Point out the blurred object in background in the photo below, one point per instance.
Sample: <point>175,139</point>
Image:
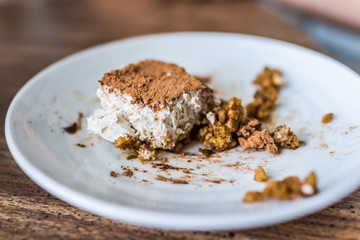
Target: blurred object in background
<point>334,25</point>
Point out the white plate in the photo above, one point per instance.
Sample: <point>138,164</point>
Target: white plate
<point>315,85</point>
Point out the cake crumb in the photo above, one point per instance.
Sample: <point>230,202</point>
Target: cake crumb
<point>269,82</point>
<point>254,197</point>
<point>114,174</point>
<point>309,186</point>
<point>260,174</point>
<point>327,118</point>
<point>285,138</point>
<point>127,173</point>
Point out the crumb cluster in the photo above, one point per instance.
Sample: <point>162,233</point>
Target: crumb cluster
<point>289,188</point>
<point>269,82</point>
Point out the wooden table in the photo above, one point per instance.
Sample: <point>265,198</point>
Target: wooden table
<point>35,33</point>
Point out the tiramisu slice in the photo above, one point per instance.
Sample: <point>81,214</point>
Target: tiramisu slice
<point>149,105</point>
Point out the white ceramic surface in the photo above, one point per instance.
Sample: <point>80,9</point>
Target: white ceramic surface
<point>315,85</point>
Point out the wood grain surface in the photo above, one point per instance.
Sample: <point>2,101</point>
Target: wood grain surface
<point>35,33</point>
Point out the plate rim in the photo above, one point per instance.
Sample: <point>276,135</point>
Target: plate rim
<point>153,218</point>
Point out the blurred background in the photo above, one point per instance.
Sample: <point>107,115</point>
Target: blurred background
<point>71,25</point>
<point>61,26</point>
<point>35,33</point>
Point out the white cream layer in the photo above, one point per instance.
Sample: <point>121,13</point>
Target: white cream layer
<point>119,117</point>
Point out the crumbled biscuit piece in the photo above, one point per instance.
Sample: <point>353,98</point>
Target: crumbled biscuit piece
<point>327,118</point>
<point>309,186</point>
<point>287,189</point>
<point>223,122</point>
<point>254,197</point>
<point>270,82</point>
<point>260,174</point>
<point>285,138</point>
<point>127,143</point>
<point>259,141</point>
<point>251,125</point>
<point>142,150</point>
<point>270,78</point>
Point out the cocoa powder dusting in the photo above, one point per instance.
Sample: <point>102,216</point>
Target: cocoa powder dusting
<point>173,181</point>
<point>152,82</point>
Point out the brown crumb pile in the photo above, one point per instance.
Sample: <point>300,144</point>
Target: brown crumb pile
<point>260,174</point>
<point>251,136</point>
<point>152,82</point>
<point>327,118</point>
<point>288,189</point>
<point>269,82</point>
<point>226,127</point>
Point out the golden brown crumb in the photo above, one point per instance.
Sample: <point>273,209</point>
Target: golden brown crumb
<point>222,123</point>
<point>254,197</point>
<point>270,82</point>
<point>309,186</point>
<point>327,118</point>
<point>127,143</point>
<point>285,138</point>
<point>260,174</point>
<point>137,149</point>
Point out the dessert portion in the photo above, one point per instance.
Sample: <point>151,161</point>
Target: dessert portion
<point>155,105</point>
<point>149,105</point>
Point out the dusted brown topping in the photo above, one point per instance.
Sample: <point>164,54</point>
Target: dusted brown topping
<point>287,189</point>
<point>152,82</point>
<point>251,136</point>
<point>260,174</point>
<point>270,82</point>
<point>173,181</point>
<point>285,138</point>
<point>327,118</point>
<point>259,141</point>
